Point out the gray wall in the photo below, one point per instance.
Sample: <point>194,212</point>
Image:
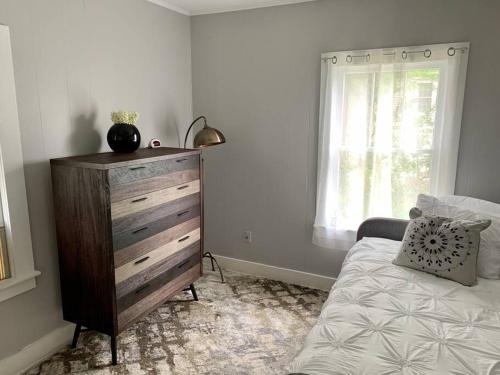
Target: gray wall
<point>256,76</point>
<point>75,61</point>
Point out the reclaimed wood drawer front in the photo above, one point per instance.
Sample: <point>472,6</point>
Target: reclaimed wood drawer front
<point>142,202</point>
<point>143,247</point>
<point>156,283</point>
<point>137,265</point>
<point>135,188</point>
<point>143,277</point>
<point>155,299</point>
<point>132,173</point>
<point>140,221</point>
<point>136,235</point>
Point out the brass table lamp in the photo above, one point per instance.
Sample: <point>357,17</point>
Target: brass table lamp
<point>206,137</point>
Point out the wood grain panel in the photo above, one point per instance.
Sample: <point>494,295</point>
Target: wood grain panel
<point>135,235</point>
<point>110,160</point>
<point>132,173</point>
<point>156,198</point>
<point>132,189</point>
<point>148,244</point>
<point>156,283</point>
<point>83,224</point>
<point>143,219</point>
<point>145,261</point>
<point>155,270</point>
<point>157,298</point>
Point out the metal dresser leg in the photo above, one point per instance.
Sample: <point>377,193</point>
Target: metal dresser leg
<point>113,350</point>
<point>193,292</point>
<point>76,335</point>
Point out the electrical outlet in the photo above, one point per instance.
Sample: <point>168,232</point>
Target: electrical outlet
<point>247,236</point>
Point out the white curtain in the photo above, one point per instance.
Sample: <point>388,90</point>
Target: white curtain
<point>389,129</point>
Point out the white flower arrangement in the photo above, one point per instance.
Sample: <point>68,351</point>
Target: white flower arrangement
<point>123,117</point>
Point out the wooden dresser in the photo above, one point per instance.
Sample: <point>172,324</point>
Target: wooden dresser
<point>129,233</point>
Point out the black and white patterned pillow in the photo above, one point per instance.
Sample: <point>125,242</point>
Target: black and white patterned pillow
<point>444,247</point>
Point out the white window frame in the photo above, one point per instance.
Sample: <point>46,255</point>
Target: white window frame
<point>12,183</point>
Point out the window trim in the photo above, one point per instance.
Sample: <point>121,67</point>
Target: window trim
<point>12,184</point>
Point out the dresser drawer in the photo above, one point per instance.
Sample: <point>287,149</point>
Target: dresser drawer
<point>145,261</point>
<point>185,212</point>
<point>135,281</point>
<point>132,189</point>
<point>149,287</point>
<point>137,172</point>
<point>141,221</point>
<point>155,299</point>
<point>142,202</point>
<point>143,247</point>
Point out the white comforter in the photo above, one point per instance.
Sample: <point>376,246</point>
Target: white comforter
<point>385,319</point>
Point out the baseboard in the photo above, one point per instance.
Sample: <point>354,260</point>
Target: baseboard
<point>37,351</point>
<point>310,280</point>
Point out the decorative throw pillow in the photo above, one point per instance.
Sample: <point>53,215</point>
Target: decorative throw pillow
<point>488,259</point>
<point>444,247</point>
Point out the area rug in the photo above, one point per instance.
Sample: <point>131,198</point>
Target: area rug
<point>247,325</point>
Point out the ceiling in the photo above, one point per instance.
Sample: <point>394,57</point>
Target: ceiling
<point>196,7</point>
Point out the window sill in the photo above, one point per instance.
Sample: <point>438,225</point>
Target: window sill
<point>14,286</point>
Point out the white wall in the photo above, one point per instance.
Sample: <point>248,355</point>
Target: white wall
<point>75,61</point>
<point>256,77</point>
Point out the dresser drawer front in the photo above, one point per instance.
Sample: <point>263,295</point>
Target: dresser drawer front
<point>142,202</point>
<point>163,252</point>
<point>137,280</point>
<point>133,236</point>
<point>138,187</point>
<point>155,299</point>
<point>129,174</point>
<point>143,247</point>
<point>141,221</point>
<point>149,287</point>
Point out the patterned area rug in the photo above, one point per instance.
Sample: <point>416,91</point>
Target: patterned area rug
<point>246,326</point>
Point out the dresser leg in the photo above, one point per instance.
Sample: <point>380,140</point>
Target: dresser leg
<point>193,292</point>
<point>76,335</point>
<point>113,350</point>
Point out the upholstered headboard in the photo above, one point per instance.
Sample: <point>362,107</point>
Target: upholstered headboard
<point>392,229</point>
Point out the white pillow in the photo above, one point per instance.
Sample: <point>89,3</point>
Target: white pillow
<point>476,205</point>
<point>488,261</point>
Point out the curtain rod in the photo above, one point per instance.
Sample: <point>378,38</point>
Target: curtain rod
<point>404,54</point>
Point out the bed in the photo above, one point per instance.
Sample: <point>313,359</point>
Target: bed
<point>385,319</point>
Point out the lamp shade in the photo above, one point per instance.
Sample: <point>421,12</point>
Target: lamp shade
<point>208,137</point>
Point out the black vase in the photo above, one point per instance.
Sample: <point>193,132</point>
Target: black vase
<point>124,138</point>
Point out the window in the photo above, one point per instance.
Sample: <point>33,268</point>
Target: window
<point>17,273</point>
<point>389,130</point>
<point>4,260</point>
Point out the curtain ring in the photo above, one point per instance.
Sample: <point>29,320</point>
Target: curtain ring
<point>368,58</point>
<point>334,59</point>
<point>404,55</point>
<point>348,58</point>
<point>451,51</point>
<point>427,53</point>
